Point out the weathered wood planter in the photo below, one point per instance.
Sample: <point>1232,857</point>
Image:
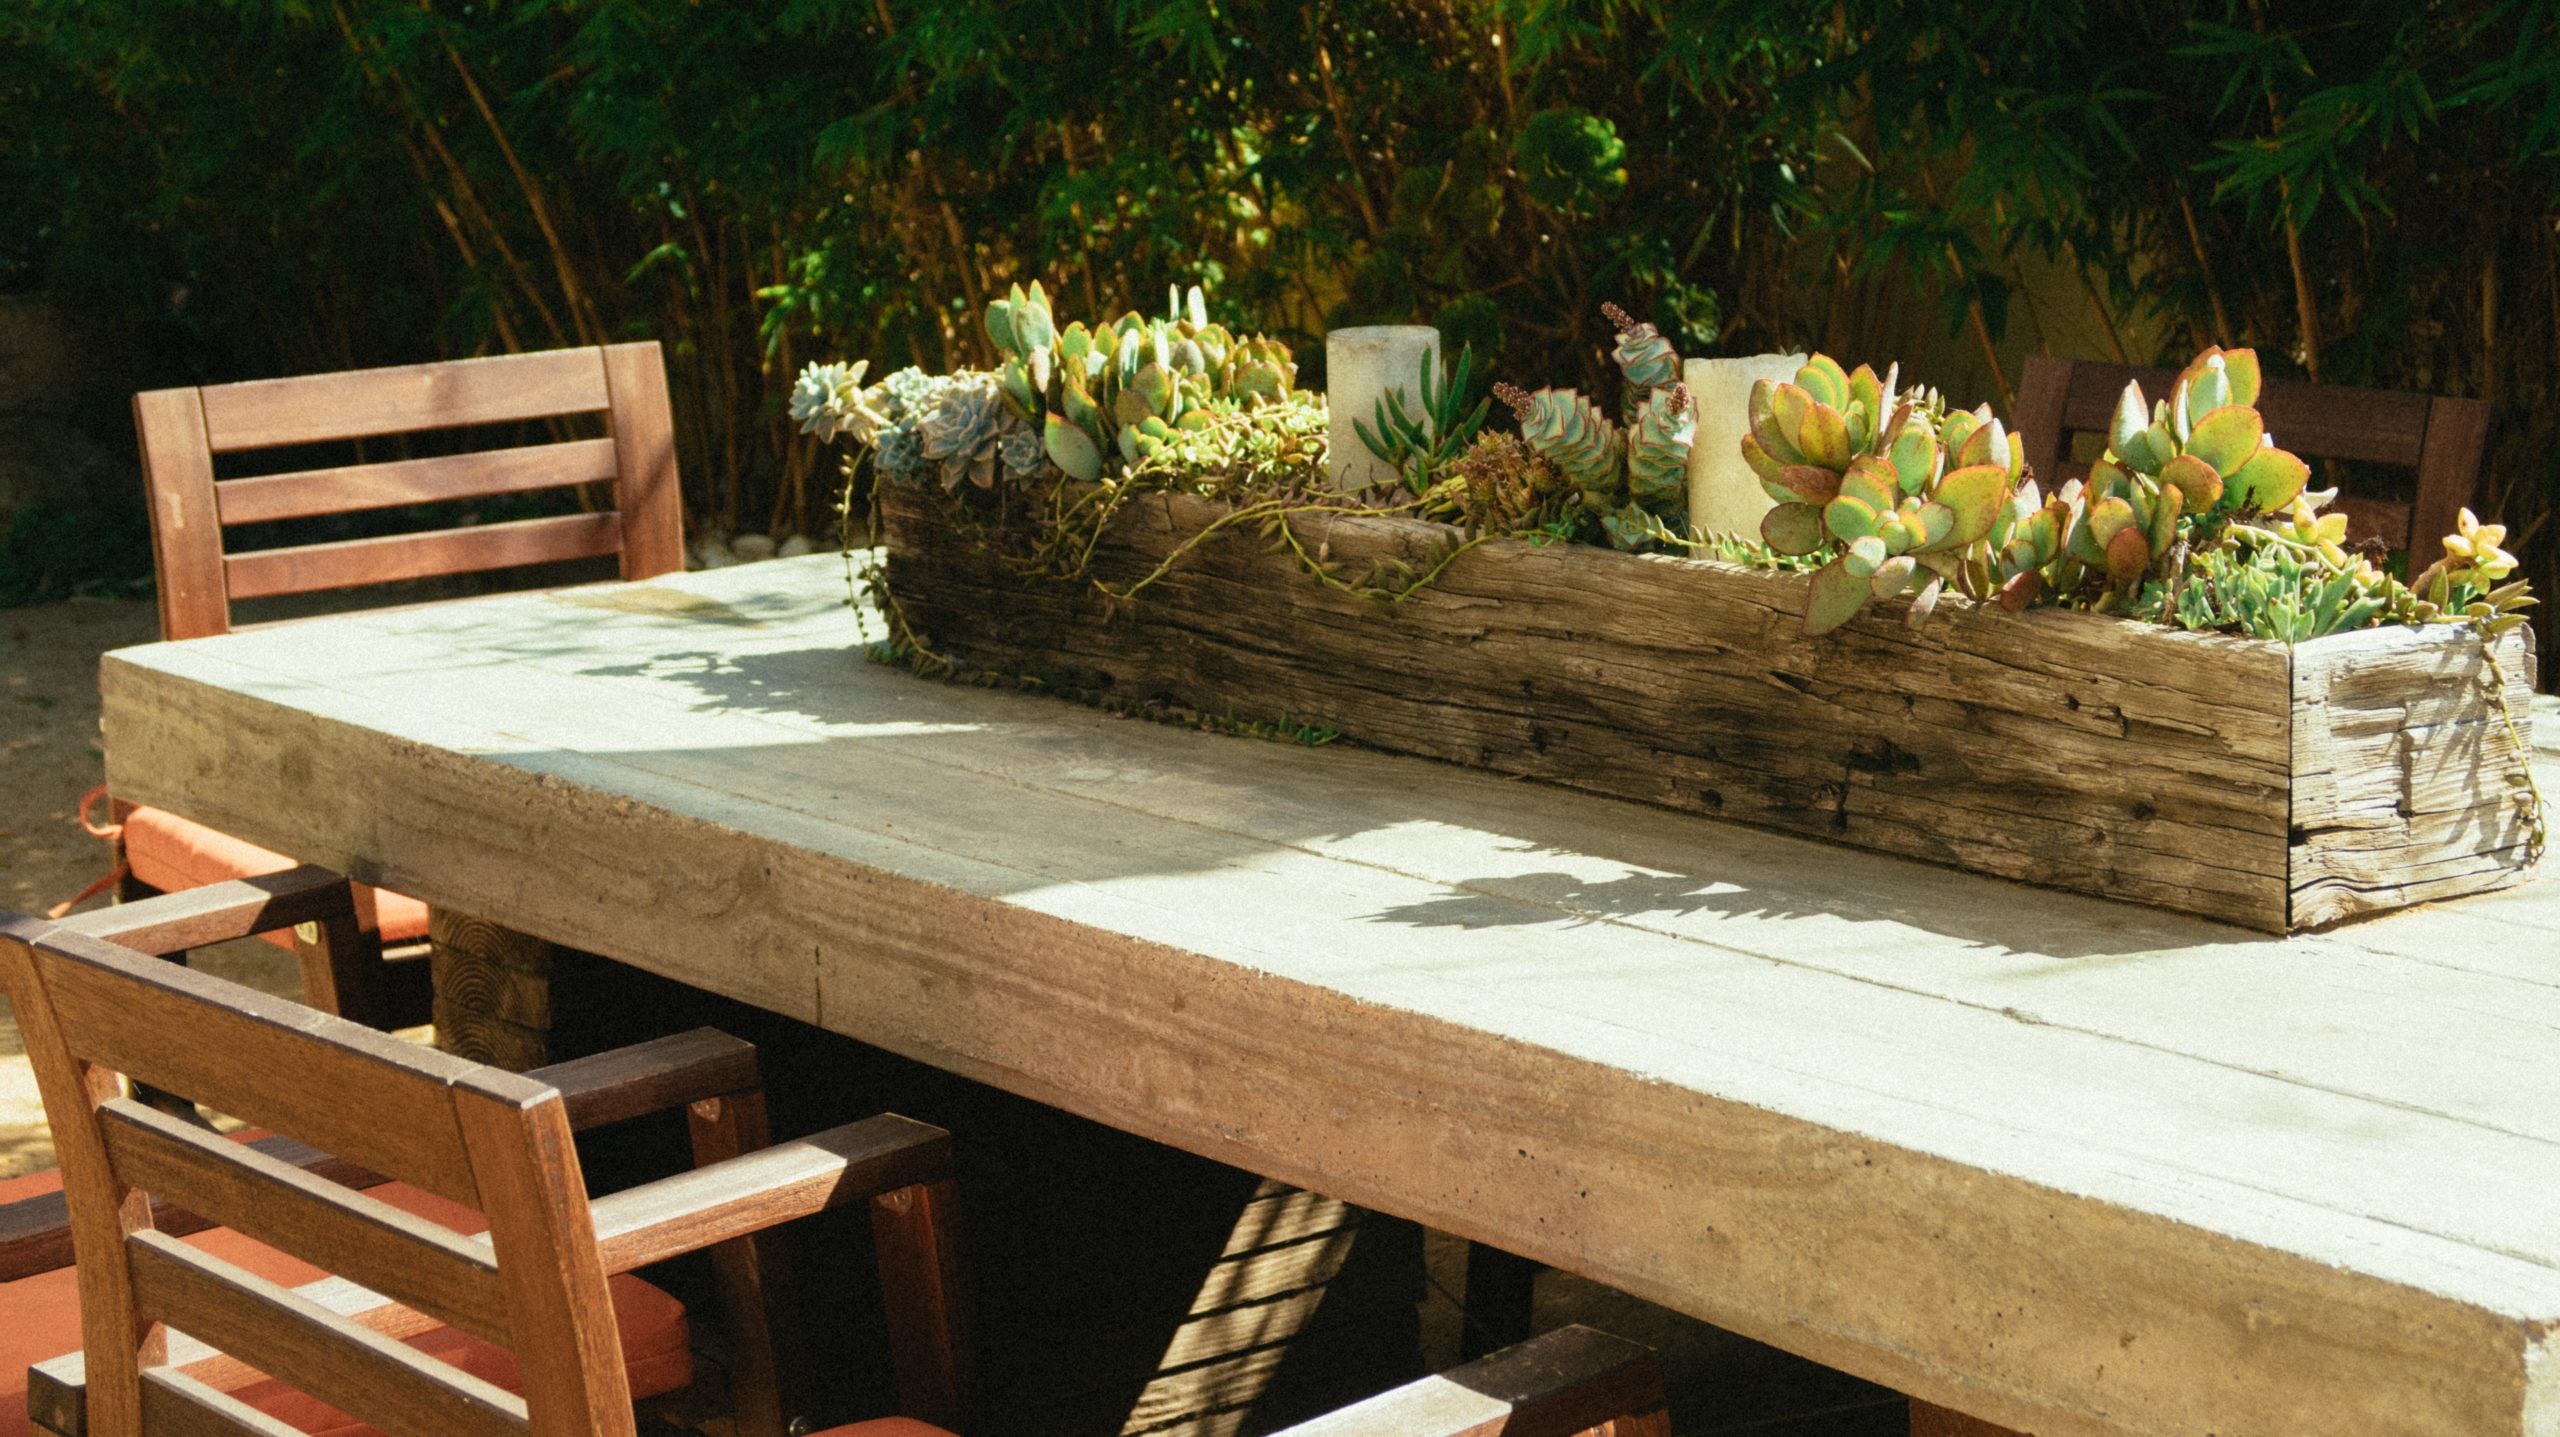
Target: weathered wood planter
<point>2273,787</point>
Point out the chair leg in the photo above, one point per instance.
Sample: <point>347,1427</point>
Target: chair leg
<point>915,1231</point>
<point>342,967</point>
<point>768,1384</point>
<point>1500,1301</point>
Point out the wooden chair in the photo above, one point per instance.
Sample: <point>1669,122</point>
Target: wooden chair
<point>2442,438</point>
<point>252,1287</point>
<point>183,430</point>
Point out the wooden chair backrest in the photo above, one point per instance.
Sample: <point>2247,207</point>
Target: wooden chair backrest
<point>183,429</point>
<point>2442,438</point>
<point>92,1010</point>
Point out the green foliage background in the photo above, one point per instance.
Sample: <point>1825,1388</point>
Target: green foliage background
<point>2366,190</point>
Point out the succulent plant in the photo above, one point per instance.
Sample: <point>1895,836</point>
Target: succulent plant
<point>1117,393</point>
<point>2470,581</point>
<point>2272,584</point>
<point>1500,486</point>
<point>828,400</point>
<point>1633,480</point>
<point>1419,446</point>
<point>1892,490</point>
<point>2203,450</point>
<point>1570,432</point>
<point>970,433</point>
<point>921,427</point>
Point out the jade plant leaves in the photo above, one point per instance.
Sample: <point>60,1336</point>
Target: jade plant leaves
<point>1975,493</point>
<point>2225,437</point>
<point>2271,479</point>
<point>1071,449</point>
<point>2197,480</point>
<point>1836,595</point>
<point>1792,529</point>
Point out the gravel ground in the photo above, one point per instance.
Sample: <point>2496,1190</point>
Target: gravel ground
<point>49,757</point>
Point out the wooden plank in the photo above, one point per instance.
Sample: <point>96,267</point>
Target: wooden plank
<point>566,1351</point>
<point>57,1391</point>
<point>362,403</point>
<point>644,440</point>
<point>388,1384</point>
<point>35,1232</point>
<point>2405,772</point>
<point>692,1210</point>
<point>176,1405</point>
<point>337,1229</point>
<point>2329,421</point>
<point>218,912</point>
<point>384,1106</point>
<point>186,532</point>
<point>1713,1067</point>
<point>915,1230</point>
<point>2448,475</point>
<point>652,1077</point>
<point>303,568</point>
<point>1574,1380</point>
<point>270,497</point>
<point>1687,685</point>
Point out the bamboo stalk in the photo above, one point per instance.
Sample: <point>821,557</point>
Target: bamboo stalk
<point>581,310</point>
<point>1342,127</point>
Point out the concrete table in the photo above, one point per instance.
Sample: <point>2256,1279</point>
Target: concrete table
<point>2069,1166</point>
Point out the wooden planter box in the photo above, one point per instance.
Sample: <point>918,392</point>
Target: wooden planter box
<point>2235,778</point>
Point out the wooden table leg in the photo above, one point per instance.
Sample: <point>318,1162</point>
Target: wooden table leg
<point>492,991</point>
<point>1928,1420</point>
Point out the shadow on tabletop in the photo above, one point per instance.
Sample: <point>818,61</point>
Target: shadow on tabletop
<point>1616,861</point>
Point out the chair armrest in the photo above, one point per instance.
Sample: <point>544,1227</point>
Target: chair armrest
<point>652,1077</point>
<point>1569,1381</point>
<point>219,912</point>
<point>35,1232</point>
<point>694,1210</point>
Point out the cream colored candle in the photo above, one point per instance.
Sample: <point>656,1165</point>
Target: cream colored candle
<point>1725,497</point>
<point>1360,366</point>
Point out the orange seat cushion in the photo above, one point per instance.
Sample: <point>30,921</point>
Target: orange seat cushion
<point>174,854</point>
<point>40,1321</point>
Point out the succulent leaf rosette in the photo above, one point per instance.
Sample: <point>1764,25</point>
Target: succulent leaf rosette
<point>1894,491</point>
<point>1114,396</point>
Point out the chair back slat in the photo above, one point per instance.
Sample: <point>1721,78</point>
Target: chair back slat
<point>422,1264</point>
<point>344,1089</point>
<point>404,399</point>
<point>176,1405</point>
<point>517,470</point>
<point>2442,438</point>
<point>308,568</point>
<point>384,1382</point>
<point>183,429</point>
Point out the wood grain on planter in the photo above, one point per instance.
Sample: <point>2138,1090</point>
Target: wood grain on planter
<point>2228,777</point>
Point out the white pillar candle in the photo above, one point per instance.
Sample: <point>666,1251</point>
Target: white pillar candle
<point>1725,497</point>
<point>1360,366</point>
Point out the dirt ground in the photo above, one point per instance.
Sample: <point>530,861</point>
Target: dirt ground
<point>49,757</point>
